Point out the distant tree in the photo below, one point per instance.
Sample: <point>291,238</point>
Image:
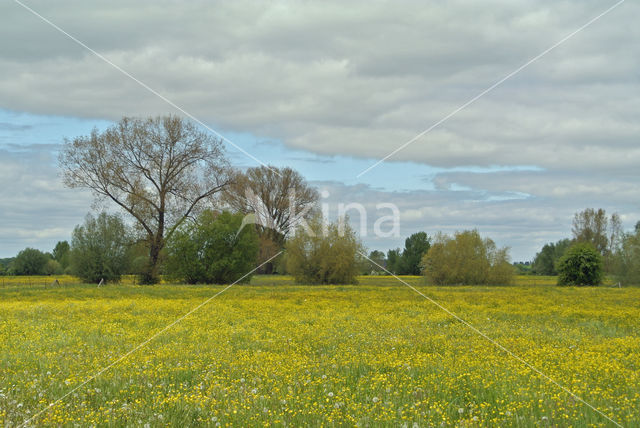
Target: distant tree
<point>324,258</point>
<point>277,199</point>
<point>160,171</point>
<point>415,247</point>
<point>30,261</point>
<point>466,258</point>
<point>53,267</point>
<point>61,254</point>
<point>394,260</point>
<point>546,260</point>
<point>280,198</point>
<point>591,226</point>
<point>523,268</point>
<point>580,265</point>
<point>604,233</point>
<point>378,259</point>
<point>212,250</point>
<point>628,268</point>
<point>99,249</point>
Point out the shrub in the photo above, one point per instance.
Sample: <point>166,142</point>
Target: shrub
<point>628,263</point>
<point>327,255</point>
<point>580,265</point>
<point>99,249</point>
<point>466,258</point>
<point>30,262</point>
<point>212,251</point>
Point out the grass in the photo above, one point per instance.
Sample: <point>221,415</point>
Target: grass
<point>277,353</point>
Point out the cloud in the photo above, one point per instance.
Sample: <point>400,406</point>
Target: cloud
<point>357,80</point>
<point>37,211</point>
<point>524,223</point>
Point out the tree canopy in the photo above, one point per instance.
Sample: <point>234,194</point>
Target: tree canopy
<point>212,250</point>
<point>466,258</point>
<point>324,255</point>
<point>158,170</point>
<point>580,265</point>
<point>99,248</point>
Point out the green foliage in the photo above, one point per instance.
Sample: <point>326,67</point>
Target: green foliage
<point>523,268</point>
<point>394,261</point>
<point>61,254</point>
<point>210,250</point>
<point>581,264</point>
<point>468,259</point>
<point>546,260</point>
<point>415,247</point>
<point>628,263</point>
<point>30,262</point>
<point>53,268</point>
<point>99,249</point>
<point>374,268</point>
<point>324,256</point>
<point>4,265</point>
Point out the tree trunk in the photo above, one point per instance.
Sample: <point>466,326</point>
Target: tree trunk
<point>151,274</point>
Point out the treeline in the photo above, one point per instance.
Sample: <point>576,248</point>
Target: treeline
<point>464,258</point>
<point>193,217</point>
<point>603,246</point>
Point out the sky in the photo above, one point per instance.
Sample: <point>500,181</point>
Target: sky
<point>331,88</point>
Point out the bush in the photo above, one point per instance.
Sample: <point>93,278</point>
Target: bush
<point>99,249</point>
<point>581,265</point>
<point>466,258</point>
<point>211,251</point>
<point>328,256</point>
<point>30,262</point>
<point>628,263</point>
<point>53,268</point>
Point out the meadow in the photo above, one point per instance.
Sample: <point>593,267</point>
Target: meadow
<point>277,353</point>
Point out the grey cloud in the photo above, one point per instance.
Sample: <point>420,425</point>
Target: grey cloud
<point>36,209</point>
<point>360,80</point>
<point>357,80</point>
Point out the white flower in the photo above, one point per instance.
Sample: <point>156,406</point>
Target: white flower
<point>375,399</point>
<point>330,394</point>
<point>461,410</point>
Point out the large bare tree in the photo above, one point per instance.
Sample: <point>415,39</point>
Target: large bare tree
<point>159,170</point>
<point>279,198</point>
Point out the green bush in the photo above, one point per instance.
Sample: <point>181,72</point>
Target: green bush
<point>30,262</point>
<point>99,249</point>
<point>628,263</point>
<point>468,259</point>
<point>327,255</point>
<point>581,264</point>
<point>211,251</point>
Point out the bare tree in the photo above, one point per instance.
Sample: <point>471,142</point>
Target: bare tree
<point>591,226</point>
<point>159,170</point>
<point>280,199</point>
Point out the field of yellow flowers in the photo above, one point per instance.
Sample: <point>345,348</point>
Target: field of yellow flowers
<point>277,353</point>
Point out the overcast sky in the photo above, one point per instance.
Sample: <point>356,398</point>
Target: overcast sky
<point>330,88</point>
